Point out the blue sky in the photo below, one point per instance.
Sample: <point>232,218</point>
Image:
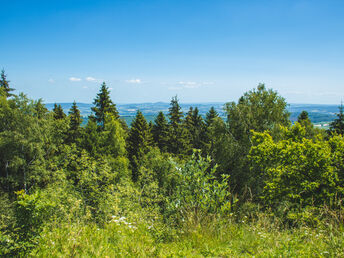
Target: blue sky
<point>149,51</point>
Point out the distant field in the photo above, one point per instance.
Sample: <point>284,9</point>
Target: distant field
<point>319,114</point>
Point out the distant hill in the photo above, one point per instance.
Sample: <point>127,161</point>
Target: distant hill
<point>318,113</point>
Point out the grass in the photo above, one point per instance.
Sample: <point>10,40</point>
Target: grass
<point>214,238</point>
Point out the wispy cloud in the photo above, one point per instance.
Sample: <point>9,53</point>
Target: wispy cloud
<point>189,85</point>
<point>134,81</point>
<point>74,79</point>
<point>92,79</point>
<point>51,80</point>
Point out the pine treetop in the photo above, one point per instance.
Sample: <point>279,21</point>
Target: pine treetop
<point>75,117</point>
<point>338,124</point>
<point>4,84</point>
<point>175,113</point>
<point>58,112</point>
<point>103,104</point>
<point>210,116</point>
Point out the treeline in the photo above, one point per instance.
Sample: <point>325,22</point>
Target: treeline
<point>55,171</point>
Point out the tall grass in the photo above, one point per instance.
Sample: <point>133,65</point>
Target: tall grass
<point>212,236</point>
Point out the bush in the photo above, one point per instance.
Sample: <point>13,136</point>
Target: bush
<point>197,191</point>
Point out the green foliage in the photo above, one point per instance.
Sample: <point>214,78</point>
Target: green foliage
<point>178,134</point>
<point>160,132</point>
<point>91,138</point>
<point>157,180</point>
<point>296,169</point>
<point>214,238</point>
<point>195,125</point>
<point>33,213</point>
<point>75,120</point>
<point>5,89</point>
<point>102,105</point>
<point>139,141</point>
<point>58,112</point>
<point>198,192</point>
<point>105,190</point>
<point>29,138</point>
<point>259,110</point>
<point>113,138</point>
<point>311,131</point>
<point>337,126</point>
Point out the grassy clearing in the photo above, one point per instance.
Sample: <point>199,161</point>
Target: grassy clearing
<point>215,238</point>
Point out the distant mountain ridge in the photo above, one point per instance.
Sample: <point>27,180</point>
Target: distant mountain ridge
<point>318,113</point>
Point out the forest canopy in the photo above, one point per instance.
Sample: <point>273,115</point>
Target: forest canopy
<point>161,180</point>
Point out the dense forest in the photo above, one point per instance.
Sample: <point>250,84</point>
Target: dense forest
<point>252,184</point>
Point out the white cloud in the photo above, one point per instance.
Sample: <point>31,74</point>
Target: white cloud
<point>134,81</point>
<point>85,87</point>
<point>51,80</point>
<point>189,85</point>
<point>74,79</point>
<point>92,79</point>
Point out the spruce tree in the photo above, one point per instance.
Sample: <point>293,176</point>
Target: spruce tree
<point>337,126</point>
<point>195,125</point>
<point>178,134</point>
<point>188,121</point>
<point>160,132</point>
<point>175,113</point>
<point>208,143</point>
<point>103,104</point>
<point>58,112</point>
<point>75,121</point>
<point>199,129</point>
<point>91,140</point>
<point>40,109</point>
<point>4,84</point>
<point>210,116</point>
<point>303,117</point>
<point>311,131</point>
<point>138,143</point>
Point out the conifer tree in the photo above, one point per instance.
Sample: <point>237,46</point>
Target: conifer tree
<point>175,113</point>
<point>311,131</point>
<point>208,143</point>
<point>210,116</point>
<point>138,143</point>
<point>4,84</point>
<point>337,126</point>
<point>303,117</point>
<point>58,112</point>
<point>40,109</point>
<point>195,125</point>
<point>91,140</point>
<point>178,134</point>
<point>103,104</point>
<point>160,132</point>
<point>75,121</point>
<point>199,127</point>
<point>188,121</point>
<point>150,126</point>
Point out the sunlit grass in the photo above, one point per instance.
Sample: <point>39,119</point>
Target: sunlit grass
<point>219,238</point>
